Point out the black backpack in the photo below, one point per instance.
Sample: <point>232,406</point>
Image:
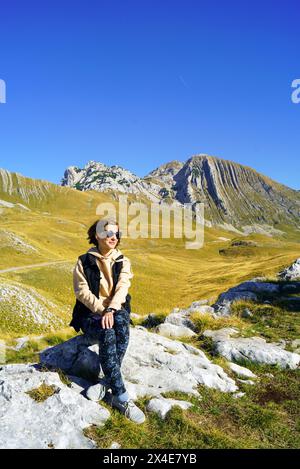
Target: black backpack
<point>93,276</point>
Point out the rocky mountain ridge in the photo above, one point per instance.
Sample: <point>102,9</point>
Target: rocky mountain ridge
<point>103,178</point>
<point>234,195</point>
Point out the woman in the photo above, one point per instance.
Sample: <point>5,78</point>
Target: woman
<point>101,280</point>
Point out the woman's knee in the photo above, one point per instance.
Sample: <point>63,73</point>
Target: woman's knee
<point>108,335</point>
<point>122,316</point>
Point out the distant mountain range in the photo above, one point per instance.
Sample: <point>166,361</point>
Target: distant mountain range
<point>234,195</point>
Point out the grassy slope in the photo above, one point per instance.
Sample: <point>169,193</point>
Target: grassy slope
<point>166,274</point>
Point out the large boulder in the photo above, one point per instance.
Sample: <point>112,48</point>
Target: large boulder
<point>181,317</point>
<point>56,422</point>
<point>249,290</point>
<point>253,349</point>
<point>153,364</point>
<point>171,330</point>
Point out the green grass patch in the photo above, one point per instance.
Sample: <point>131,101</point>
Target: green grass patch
<point>204,321</point>
<point>268,321</point>
<point>42,393</point>
<point>29,353</point>
<point>266,417</point>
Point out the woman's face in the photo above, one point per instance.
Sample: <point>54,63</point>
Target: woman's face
<point>105,244</point>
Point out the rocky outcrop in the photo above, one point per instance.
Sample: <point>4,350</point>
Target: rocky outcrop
<point>56,422</point>
<point>16,185</point>
<point>162,405</point>
<point>27,309</point>
<point>174,331</point>
<point>249,290</point>
<point>233,195</point>
<point>292,272</point>
<point>199,306</point>
<point>241,371</point>
<point>266,292</point>
<point>4,203</point>
<point>103,178</point>
<point>179,323</point>
<point>163,177</point>
<point>254,349</point>
<point>8,239</point>
<point>152,365</point>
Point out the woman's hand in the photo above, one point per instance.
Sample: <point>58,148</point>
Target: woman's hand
<point>107,320</point>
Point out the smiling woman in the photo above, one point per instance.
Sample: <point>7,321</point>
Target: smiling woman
<point>101,280</point>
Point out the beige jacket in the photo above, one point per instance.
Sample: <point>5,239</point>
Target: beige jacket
<point>105,263</point>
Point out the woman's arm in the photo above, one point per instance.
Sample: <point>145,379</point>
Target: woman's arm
<point>82,291</point>
<point>123,285</point>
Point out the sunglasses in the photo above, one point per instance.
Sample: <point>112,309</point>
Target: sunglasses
<point>110,233</point>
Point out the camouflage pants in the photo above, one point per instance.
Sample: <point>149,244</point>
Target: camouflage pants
<point>113,344</point>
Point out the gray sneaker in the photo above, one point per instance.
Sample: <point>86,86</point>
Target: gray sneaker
<point>128,408</point>
<point>96,392</point>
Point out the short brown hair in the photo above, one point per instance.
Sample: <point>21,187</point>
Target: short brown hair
<point>92,230</point>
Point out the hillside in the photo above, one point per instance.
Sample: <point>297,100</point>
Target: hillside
<point>43,222</point>
<point>223,405</point>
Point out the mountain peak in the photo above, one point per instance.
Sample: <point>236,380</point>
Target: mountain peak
<point>232,193</point>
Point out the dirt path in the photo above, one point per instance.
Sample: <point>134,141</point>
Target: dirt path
<point>42,264</point>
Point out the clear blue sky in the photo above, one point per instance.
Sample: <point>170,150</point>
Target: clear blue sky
<point>139,83</point>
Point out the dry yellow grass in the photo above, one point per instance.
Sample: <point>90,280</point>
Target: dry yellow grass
<point>166,274</point>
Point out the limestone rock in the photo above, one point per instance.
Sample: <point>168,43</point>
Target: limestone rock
<point>162,405</point>
<point>115,445</point>
<point>56,422</point>
<point>244,291</point>
<point>153,364</point>
<point>198,303</point>
<point>103,178</point>
<point>205,310</point>
<point>254,349</point>
<point>171,330</point>
<point>181,317</point>
<point>241,371</point>
<point>31,309</point>
<point>221,335</point>
<point>237,395</point>
<point>292,272</point>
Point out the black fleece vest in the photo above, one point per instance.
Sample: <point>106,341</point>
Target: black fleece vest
<point>93,276</point>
